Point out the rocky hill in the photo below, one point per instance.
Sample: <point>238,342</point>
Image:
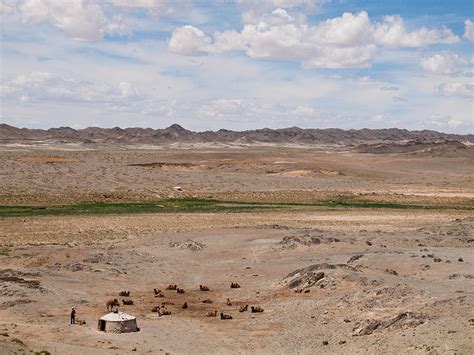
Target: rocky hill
<point>176,133</point>
<point>442,147</point>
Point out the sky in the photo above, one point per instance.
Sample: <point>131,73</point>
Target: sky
<point>241,64</point>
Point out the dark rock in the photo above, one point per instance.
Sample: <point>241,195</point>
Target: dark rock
<point>367,328</point>
<point>354,258</point>
<point>402,320</point>
<point>309,279</point>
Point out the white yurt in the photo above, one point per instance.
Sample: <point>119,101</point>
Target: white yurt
<point>118,322</point>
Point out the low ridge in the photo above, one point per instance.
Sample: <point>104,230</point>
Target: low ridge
<point>176,133</point>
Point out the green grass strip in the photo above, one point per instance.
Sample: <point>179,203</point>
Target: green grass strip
<point>189,205</point>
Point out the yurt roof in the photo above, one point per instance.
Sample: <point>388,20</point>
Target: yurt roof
<point>117,317</point>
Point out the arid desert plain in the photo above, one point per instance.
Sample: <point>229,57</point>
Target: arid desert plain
<point>345,252</point>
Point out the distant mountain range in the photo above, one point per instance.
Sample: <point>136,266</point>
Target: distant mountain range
<point>176,133</point>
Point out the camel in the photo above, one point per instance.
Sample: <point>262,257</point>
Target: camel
<point>229,303</point>
<point>234,285</point>
<point>244,308</point>
<point>172,287</point>
<point>127,302</point>
<point>111,303</point>
<point>185,305</point>
<point>167,303</point>
<point>124,293</point>
<point>226,316</point>
<point>212,314</point>
<point>298,290</point>
<point>179,290</point>
<point>207,300</point>
<point>162,311</point>
<point>203,288</point>
<point>256,309</point>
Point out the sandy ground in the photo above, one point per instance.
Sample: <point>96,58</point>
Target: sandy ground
<point>71,174</point>
<point>379,281</point>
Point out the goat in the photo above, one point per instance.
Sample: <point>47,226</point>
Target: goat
<point>244,308</point>
<point>203,288</point>
<point>256,309</point>
<point>226,316</point>
<point>164,312</point>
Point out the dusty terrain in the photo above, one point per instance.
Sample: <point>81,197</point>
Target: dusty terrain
<point>78,172</point>
<point>380,280</point>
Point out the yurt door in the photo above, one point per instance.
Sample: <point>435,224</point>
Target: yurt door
<point>102,325</point>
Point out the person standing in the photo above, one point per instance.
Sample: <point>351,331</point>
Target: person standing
<point>73,316</point>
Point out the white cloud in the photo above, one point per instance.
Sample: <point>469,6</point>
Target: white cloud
<point>446,63</point>
<point>228,41</point>
<point>6,8</point>
<point>289,4</point>
<point>393,34</point>
<point>189,40</point>
<point>445,121</point>
<point>349,41</point>
<point>469,30</point>
<point>80,19</point>
<point>266,5</point>
<point>383,120</point>
<point>154,8</point>
<point>253,11</point>
<point>245,110</point>
<point>146,4</point>
<point>223,108</point>
<point>36,86</point>
<point>456,89</point>
<point>347,30</point>
<point>389,88</point>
